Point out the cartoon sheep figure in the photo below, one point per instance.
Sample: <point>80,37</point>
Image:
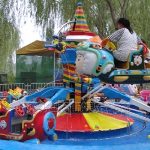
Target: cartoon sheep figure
<point>137,60</point>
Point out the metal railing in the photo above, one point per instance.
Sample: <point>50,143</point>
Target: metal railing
<point>27,87</point>
<point>6,87</point>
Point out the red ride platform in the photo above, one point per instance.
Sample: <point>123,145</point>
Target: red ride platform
<point>91,122</point>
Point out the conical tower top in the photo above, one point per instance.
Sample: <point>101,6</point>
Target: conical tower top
<point>81,23</point>
<point>79,30</point>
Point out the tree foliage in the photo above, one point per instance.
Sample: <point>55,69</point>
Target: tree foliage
<point>9,40</point>
<point>101,14</point>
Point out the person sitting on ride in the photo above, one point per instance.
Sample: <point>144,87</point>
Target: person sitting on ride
<point>126,40</point>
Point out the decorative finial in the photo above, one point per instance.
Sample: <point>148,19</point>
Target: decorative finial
<point>79,4</point>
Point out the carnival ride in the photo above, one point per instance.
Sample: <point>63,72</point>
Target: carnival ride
<point>30,117</point>
<point>86,64</point>
<point>86,103</point>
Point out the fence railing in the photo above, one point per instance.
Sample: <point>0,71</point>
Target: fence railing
<point>28,87</point>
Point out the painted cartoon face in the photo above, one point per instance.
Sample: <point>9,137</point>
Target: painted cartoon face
<point>85,62</point>
<point>79,63</point>
<point>138,60</point>
<point>133,89</point>
<point>129,89</point>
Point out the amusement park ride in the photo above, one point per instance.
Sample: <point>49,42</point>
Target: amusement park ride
<point>88,71</point>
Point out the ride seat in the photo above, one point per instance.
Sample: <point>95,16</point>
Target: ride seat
<point>121,65</point>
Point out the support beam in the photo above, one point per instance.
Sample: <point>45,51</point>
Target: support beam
<point>122,110</point>
<point>65,108</point>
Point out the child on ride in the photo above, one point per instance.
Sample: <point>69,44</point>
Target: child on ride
<point>126,40</point>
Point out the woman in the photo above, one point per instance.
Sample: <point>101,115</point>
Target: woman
<point>126,40</point>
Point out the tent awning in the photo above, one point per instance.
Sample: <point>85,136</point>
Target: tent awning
<point>35,48</point>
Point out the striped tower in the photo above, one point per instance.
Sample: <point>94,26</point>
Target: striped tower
<point>68,77</point>
<point>69,72</point>
<point>81,23</point>
<point>79,31</point>
<point>78,96</point>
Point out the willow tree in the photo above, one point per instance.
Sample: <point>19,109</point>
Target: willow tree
<point>101,14</point>
<point>138,12</point>
<point>9,41</point>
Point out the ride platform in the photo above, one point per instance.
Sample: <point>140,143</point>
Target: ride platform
<point>92,122</point>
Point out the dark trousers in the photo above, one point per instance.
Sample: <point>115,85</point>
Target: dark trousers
<point>119,64</point>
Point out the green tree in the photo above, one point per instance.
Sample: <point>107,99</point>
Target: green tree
<point>101,14</point>
<point>9,41</point>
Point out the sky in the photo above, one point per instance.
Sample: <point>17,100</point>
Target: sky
<point>29,32</point>
<point>26,24</point>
